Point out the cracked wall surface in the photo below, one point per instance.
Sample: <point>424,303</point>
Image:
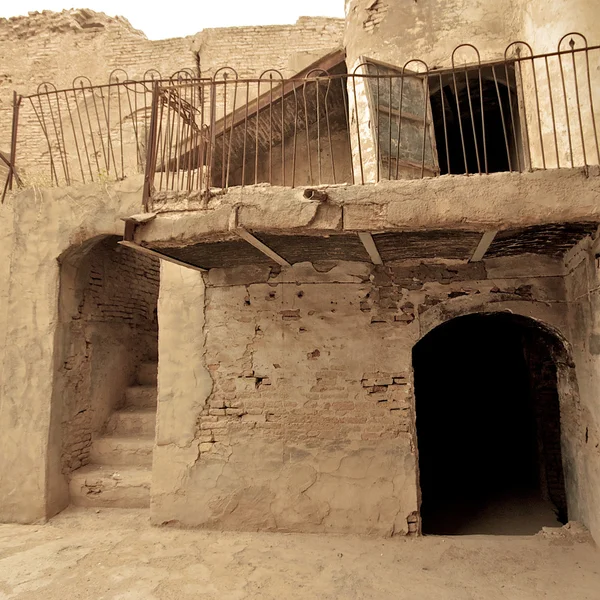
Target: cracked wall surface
<point>299,415</point>
<point>285,396</point>
<point>582,289</point>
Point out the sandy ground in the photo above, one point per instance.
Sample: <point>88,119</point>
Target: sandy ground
<point>116,555</point>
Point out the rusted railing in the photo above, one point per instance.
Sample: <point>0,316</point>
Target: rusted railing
<point>9,161</point>
<point>87,132</point>
<point>375,121</point>
<point>379,121</point>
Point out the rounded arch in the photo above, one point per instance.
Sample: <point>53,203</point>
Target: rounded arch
<point>493,390</point>
<point>540,313</point>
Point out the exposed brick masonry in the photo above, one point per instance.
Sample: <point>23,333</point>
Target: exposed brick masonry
<point>251,50</point>
<point>123,288</point>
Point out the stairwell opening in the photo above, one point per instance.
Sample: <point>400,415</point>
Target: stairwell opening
<point>104,400</point>
<point>489,427</point>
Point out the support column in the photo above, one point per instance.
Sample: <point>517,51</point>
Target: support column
<point>184,384</point>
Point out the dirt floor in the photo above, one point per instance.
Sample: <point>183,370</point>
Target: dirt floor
<point>116,555</point>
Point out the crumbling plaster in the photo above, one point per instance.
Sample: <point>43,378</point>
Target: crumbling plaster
<point>396,32</point>
<point>267,398</point>
<point>37,227</point>
<point>301,415</point>
<point>279,343</point>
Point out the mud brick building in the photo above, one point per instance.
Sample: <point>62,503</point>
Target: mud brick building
<point>335,276</point>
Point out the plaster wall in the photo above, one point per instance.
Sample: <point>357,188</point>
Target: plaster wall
<point>543,23</point>
<point>582,292</point>
<point>496,202</point>
<point>396,32</point>
<point>554,135</point>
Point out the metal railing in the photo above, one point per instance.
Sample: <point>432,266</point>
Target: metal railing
<point>85,133</point>
<point>376,122</point>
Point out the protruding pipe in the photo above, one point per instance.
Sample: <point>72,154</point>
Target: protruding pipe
<point>312,194</point>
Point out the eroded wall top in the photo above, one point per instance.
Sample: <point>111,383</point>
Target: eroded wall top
<point>57,47</point>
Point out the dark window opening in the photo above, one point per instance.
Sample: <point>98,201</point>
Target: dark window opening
<point>476,120</point>
<point>488,428</point>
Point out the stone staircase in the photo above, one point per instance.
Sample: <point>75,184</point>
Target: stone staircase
<point>120,466</point>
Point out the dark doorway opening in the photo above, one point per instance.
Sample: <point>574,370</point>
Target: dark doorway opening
<point>475,117</point>
<point>488,427</point>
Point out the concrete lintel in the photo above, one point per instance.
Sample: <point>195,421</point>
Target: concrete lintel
<point>484,243</point>
<point>500,201</point>
<point>160,256</point>
<point>253,241</point>
<point>369,243</point>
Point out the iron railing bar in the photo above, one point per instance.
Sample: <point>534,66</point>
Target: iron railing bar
<point>502,119</point>
<point>552,114</point>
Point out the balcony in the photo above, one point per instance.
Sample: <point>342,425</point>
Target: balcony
<point>336,152</point>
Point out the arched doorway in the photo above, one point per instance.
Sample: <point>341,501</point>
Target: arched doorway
<point>488,426</point>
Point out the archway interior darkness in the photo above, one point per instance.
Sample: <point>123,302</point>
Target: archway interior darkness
<point>475,117</point>
<point>488,427</point>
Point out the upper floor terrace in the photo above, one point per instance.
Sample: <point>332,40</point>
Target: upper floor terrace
<point>195,139</point>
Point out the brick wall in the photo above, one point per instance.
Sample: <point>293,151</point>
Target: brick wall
<point>546,411</point>
<point>122,287</point>
<point>57,47</point>
<point>252,50</point>
<point>301,414</point>
<point>295,372</point>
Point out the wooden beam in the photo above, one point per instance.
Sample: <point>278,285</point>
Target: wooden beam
<point>133,221</point>
<point>484,243</point>
<point>160,256</point>
<point>253,241</point>
<point>369,243</point>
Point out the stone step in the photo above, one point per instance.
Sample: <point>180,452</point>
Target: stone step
<point>141,396</point>
<point>132,422</point>
<point>111,486</point>
<point>147,373</point>
<point>118,450</point>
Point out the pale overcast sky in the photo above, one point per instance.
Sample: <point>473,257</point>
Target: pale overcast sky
<point>160,19</point>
